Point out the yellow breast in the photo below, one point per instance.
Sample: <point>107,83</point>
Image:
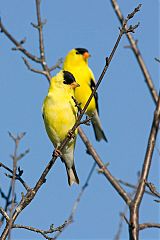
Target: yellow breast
<point>59,116</point>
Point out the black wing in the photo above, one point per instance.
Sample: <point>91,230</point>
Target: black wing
<point>92,85</point>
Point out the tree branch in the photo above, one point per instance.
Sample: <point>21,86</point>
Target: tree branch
<point>153,190</point>
<point>134,207</point>
<point>137,54</point>
<point>44,233</point>
<point>132,186</point>
<point>33,69</point>
<point>18,177</point>
<point>41,42</point>
<point>4,214</point>
<point>7,202</point>
<point>18,44</point>
<point>105,171</point>
<point>148,225</point>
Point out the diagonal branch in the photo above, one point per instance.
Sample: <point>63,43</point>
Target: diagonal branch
<point>33,69</point>
<point>153,190</point>
<point>105,171</point>
<point>4,214</point>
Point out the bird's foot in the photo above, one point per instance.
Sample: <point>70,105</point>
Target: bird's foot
<point>56,153</point>
<point>71,134</point>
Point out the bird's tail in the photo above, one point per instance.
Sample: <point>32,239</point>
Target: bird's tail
<point>98,131</point>
<point>72,175</point>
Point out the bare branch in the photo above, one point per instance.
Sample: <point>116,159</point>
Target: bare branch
<point>57,65</point>
<point>87,121</point>
<point>18,44</point>
<point>44,233</point>
<point>33,69</point>
<point>22,155</point>
<point>137,53</point>
<point>134,207</point>
<point>15,158</point>
<point>41,43</point>
<point>17,176</point>
<point>153,190</point>
<point>158,60</point>
<point>148,225</point>
<point>106,172</point>
<point>132,186</point>
<point>4,213</point>
<point>7,201</point>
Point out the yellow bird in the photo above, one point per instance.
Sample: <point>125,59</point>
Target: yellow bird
<point>60,114</point>
<point>76,62</point>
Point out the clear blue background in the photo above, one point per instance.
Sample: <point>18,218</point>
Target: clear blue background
<point>126,111</point>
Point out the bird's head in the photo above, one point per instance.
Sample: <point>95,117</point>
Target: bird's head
<point>64,80</point>
<point>77,56</point>
<point>69,80</point>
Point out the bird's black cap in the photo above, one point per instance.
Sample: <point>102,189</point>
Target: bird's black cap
<point>81,50</point>
<point>68,77</point>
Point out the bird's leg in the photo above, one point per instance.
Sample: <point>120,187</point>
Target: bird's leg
<point>56,152</point>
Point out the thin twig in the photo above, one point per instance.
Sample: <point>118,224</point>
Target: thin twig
<point>7,201</point>
<point>33,69</point>
<point>105,172</point>
<point>18,177</point>
<point>57,65</point>
<point>153,190</point>
<point>41,42</point>
<point>18,44</point>
<point>132,186</point>
<point>15,158</point>
<point>44,233</point>
<point>148,225</point>
<point>4,213</point>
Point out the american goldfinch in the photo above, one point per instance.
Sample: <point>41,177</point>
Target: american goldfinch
<point>76,62</point>
<point>59,114</point>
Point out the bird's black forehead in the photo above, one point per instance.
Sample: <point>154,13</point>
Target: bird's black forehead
<point>81,50</point>
<point>68,77</point>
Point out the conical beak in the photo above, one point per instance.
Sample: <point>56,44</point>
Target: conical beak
<point>86,55</point>
<point>74,85</point>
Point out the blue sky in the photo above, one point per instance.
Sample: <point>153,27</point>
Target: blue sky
<point>126,112</point>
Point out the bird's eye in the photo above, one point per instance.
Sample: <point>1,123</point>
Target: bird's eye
<point>77,52</point>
